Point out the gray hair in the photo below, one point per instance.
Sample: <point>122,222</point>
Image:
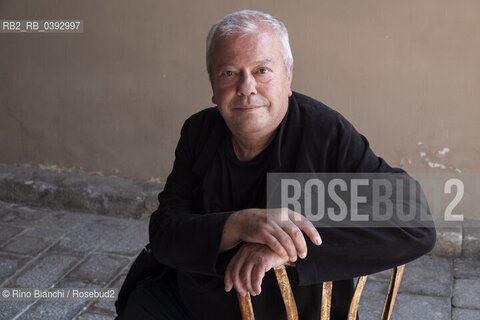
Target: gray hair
<point>244,22</point>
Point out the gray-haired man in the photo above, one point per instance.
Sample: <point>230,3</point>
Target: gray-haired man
<point>212,232</point>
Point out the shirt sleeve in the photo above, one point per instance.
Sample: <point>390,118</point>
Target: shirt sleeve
<point>350,252</point>
<point>181,236</point>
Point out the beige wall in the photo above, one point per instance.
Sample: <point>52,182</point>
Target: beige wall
<point>113,98</point>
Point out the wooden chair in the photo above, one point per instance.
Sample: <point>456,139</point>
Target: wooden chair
<point>291,307</point>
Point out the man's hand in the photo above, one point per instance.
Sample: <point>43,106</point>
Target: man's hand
<point>247,268</point>
<point>279,229</point>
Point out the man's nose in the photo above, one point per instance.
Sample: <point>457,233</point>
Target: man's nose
<point>247,85</point>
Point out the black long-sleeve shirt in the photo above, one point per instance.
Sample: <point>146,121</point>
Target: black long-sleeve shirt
<point>200,194</point>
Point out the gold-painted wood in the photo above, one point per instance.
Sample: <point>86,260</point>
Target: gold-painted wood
<point>291,307</point>
<point>287,294</point>
<point>395,279</point>
<point>246,308</point>
<point>326,300</point>
<point>289,264</point>
<point>352,312</point>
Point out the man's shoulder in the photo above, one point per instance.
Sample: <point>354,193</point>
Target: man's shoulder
<point>306,101</point>
<point>317,114</point>
<point>206,116</point>
<point>204,123</point>
<point>203,131</point>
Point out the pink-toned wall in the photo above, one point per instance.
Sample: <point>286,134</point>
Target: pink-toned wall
<point>113,98</point>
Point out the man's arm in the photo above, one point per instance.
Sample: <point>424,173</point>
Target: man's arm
<point>193,241</point>
<point>350,252</point>
<point>181,236</point>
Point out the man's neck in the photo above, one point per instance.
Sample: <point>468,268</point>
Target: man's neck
<point>247,148</point>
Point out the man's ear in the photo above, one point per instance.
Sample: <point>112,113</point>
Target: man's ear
<point>214,101</point>
<point>289,79</point>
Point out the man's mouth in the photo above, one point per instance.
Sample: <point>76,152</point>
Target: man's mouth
<point>247,107</point>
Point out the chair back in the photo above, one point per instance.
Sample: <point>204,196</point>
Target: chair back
<point>291,307</point>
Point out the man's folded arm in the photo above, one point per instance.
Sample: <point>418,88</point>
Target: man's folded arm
<point>348,252</point>
<point>182,237</point>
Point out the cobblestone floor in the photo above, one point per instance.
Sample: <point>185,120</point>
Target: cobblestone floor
<point>41,248</point>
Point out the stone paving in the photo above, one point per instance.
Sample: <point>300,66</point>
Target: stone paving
<point>44,248</point>
<point>41,248</point>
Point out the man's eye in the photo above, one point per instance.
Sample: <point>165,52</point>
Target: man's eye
<point>263,70</point>
<point>227,73</point>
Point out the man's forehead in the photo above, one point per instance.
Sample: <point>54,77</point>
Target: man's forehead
<point>241,41</point>
<point>236,55</point>
<point>266,62</point>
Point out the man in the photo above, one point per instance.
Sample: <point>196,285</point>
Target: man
<point>212,233</point>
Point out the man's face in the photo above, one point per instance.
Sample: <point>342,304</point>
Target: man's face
<point>249,82</point>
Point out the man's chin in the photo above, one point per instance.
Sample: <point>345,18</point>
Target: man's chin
<point>250,127</point>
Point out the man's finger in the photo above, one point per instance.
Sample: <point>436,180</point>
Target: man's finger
<point>228,275</point>
<point>257,277</point>
<point>245,276</point>
<point>306,226</point>
<point>297,237</point>
<point>235,272</point>
<point>276,246</point>
<point>286,242</point>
